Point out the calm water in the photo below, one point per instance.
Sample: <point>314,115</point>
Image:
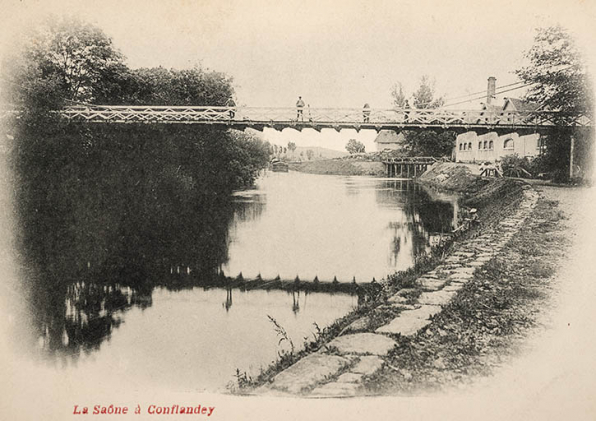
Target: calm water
<point>332,226</point>
<point>194,340</point>
<point>121,289</point>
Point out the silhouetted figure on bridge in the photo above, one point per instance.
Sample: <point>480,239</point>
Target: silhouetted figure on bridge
<point>300,109</point>
<point>230,103</point>
<point>407,110</point>
<point>366,113</point>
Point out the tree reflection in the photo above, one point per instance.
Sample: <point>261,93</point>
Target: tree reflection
<point>424,216</point>
<point>228,303</point>
<point>295,302</point>
<point>97,241</point>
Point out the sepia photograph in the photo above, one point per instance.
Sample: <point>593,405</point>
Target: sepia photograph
<point>288,210</point>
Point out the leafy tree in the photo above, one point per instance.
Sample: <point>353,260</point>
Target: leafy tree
<point>560,83</point>
<point>558,73</point>
<point>67,59</point>
<point>427,142</point>
<point>431,143</point>
<point>310,154</point>
<point>355,146</point>
<point>291,147</point>
<point>399,98</point>
<point>64,58</point>
<point>424,96</point>
<point>160,86</point>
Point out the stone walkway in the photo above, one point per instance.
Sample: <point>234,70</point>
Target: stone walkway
<point>337,369</point>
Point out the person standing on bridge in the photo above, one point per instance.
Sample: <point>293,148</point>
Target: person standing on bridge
<point>232,105</point>
<point>406,111</point>
<point>300,109</point>
<point>366,113</point>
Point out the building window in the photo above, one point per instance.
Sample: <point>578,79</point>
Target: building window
<point>470,146</point>
<point>490,145</point>
<point>508,144</point>
<point>460,146</point>
<point>465,144</point>
<point>479,145</point>
<point>485,144</point>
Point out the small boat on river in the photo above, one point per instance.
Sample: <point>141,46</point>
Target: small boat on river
<point>278,166</point>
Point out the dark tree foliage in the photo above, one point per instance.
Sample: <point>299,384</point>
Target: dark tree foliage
<point>426,142</point>
<point>160,86</point>
<point>558,73</point>
<point>431,143</point>
<point>69,60</point>
<point>560,83</point>
<point>111,206</point>
<point>63,59</point>
<point>117,192</point>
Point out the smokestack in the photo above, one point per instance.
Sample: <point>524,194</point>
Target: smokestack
<point>490,90</point>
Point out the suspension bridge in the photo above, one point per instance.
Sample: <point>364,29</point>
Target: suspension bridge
<point>358,119</point>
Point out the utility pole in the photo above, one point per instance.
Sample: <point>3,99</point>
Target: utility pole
<point>572,148</point>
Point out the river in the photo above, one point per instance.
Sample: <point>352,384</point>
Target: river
<point>110,294</point>
<point>340,227</point>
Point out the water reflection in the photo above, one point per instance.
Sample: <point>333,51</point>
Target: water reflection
<point>105,255</point>
<point>424,217</point>
<point>344,227</point>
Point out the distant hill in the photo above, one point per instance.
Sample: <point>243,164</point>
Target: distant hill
<point>319,153</point>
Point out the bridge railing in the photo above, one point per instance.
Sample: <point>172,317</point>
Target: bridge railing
<point>406,117</point>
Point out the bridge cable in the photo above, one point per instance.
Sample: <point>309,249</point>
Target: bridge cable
<point>476,93</point>
<point>483,92</point>
<point>484,96</point>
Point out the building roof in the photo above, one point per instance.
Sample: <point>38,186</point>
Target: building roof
<point>520,105</point>
<point>389,136</point>
<point>491,107</point>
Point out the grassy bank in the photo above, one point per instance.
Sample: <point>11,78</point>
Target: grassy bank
<point>339,167</point>
<point>486,322</point>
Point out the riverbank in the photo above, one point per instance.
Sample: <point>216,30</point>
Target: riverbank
<point>370,163</point>
<point>339,166</point>
<point>458,320</point>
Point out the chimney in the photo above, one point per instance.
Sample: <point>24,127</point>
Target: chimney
<point>490,90</point>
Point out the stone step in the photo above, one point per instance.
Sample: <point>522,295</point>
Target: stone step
<point>410,321</point>
<point>363,344</point>
<point>436,298</point>
<point>308,372</point>
<point>367,365</point>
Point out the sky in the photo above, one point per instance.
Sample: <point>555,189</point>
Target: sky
<point>332,53</point>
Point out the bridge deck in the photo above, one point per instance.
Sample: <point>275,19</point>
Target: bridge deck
<point>334,118</point>
<point>321,118</point>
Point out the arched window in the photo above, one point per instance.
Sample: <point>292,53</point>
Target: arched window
<point>508,144</point>
<point>461,146</point>
<point>485,144</point>
<point>465,144</point>
<point>479,145</point>
<point>490,144</point>
<point>470,145</point>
